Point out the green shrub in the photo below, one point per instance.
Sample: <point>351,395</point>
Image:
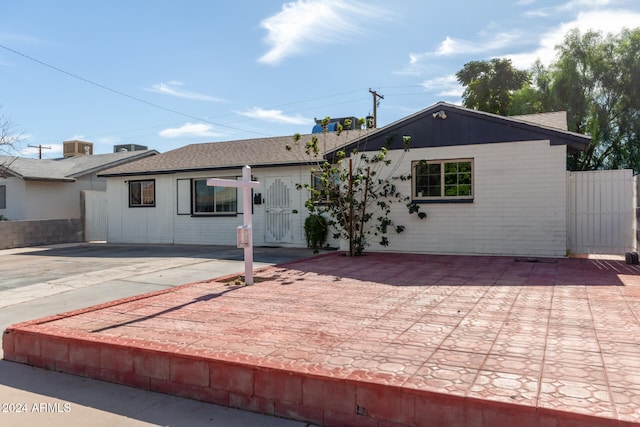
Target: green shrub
<point>315,229</point>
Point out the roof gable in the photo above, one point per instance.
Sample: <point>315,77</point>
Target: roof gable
<point>446,124</point>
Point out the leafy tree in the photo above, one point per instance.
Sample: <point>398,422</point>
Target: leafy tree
<point>489,85</point>
<point>354,192</point>
<point>595,78</point>
<point>536,95</point>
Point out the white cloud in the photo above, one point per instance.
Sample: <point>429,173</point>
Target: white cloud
<point>190,129</point>
<point>415,67</point>
<point>456,47</point>
<point>108,140</point>
<point>305,23</point>
<point>539,13</point>
<point>586,15</point>
<point>445,86</point>
<point>275,116</point>
<point>173,88</point>
<point>572,6</point>
<point>52,150</point>
<point>451,47</point>
<point>17,38</point>
<point>585,4</point>
<point>605,21</point>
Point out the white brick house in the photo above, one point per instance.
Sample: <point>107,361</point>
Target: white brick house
<point>511,195</point>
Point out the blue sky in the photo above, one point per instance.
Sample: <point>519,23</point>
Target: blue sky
<point>170,73</point>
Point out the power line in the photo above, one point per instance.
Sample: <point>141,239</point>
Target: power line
<point>315,107</point>
<point>170,110</point>
<point>117,92</point>
<point>317,98</point>
<point>40,148</point>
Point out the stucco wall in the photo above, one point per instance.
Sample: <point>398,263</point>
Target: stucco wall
<point>38,200</point>
<point>163,223</point>
<point>16,234</point>
<point>15,190</point>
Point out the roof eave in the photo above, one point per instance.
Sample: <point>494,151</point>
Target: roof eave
<point>202,169</point>
<point>50,179</point>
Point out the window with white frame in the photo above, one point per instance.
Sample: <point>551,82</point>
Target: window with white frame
<point>209,200</point>
<point>441,180</point>
<point>142,193</point>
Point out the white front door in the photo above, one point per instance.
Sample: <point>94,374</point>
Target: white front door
<point>278,228</point>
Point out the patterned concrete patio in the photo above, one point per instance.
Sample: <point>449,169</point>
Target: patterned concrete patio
<point>381,340</point>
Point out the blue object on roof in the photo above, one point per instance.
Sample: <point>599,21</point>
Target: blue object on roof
<point>331,127</point>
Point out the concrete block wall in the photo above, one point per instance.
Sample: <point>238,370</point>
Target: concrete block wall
<point>17,234</point>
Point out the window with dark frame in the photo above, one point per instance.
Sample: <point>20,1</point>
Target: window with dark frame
<point>326,189</point>
<point>142,193</point>
<point>443,179</point>
<point>3,197</point>
<point>209,200</point>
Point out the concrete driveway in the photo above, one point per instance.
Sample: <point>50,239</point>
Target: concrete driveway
<point>43,281</point>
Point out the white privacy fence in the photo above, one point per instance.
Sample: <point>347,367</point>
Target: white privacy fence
<point>601,212</point>
<point>94,213</point>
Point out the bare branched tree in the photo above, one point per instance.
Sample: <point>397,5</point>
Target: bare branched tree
<point>9,140</point>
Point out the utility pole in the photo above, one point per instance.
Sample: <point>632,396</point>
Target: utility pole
<point>375,105</point>
<point>40,148</point>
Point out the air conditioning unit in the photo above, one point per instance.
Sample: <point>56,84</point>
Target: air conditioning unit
<point>129,147</point>
<point>77,148</point>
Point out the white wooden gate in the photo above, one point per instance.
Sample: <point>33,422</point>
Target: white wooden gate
<point>94,215</point>
<point>601,212</point>
<point>278,227</point>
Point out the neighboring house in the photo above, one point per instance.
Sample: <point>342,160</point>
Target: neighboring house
<point>489,184</point>
<point>36,189</point>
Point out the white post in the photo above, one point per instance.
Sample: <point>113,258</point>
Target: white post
<point>247,218</point>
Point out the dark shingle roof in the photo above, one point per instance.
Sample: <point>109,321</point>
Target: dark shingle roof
<point>232,154</point>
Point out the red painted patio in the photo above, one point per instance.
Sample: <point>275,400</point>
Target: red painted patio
<point>381,340</point>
